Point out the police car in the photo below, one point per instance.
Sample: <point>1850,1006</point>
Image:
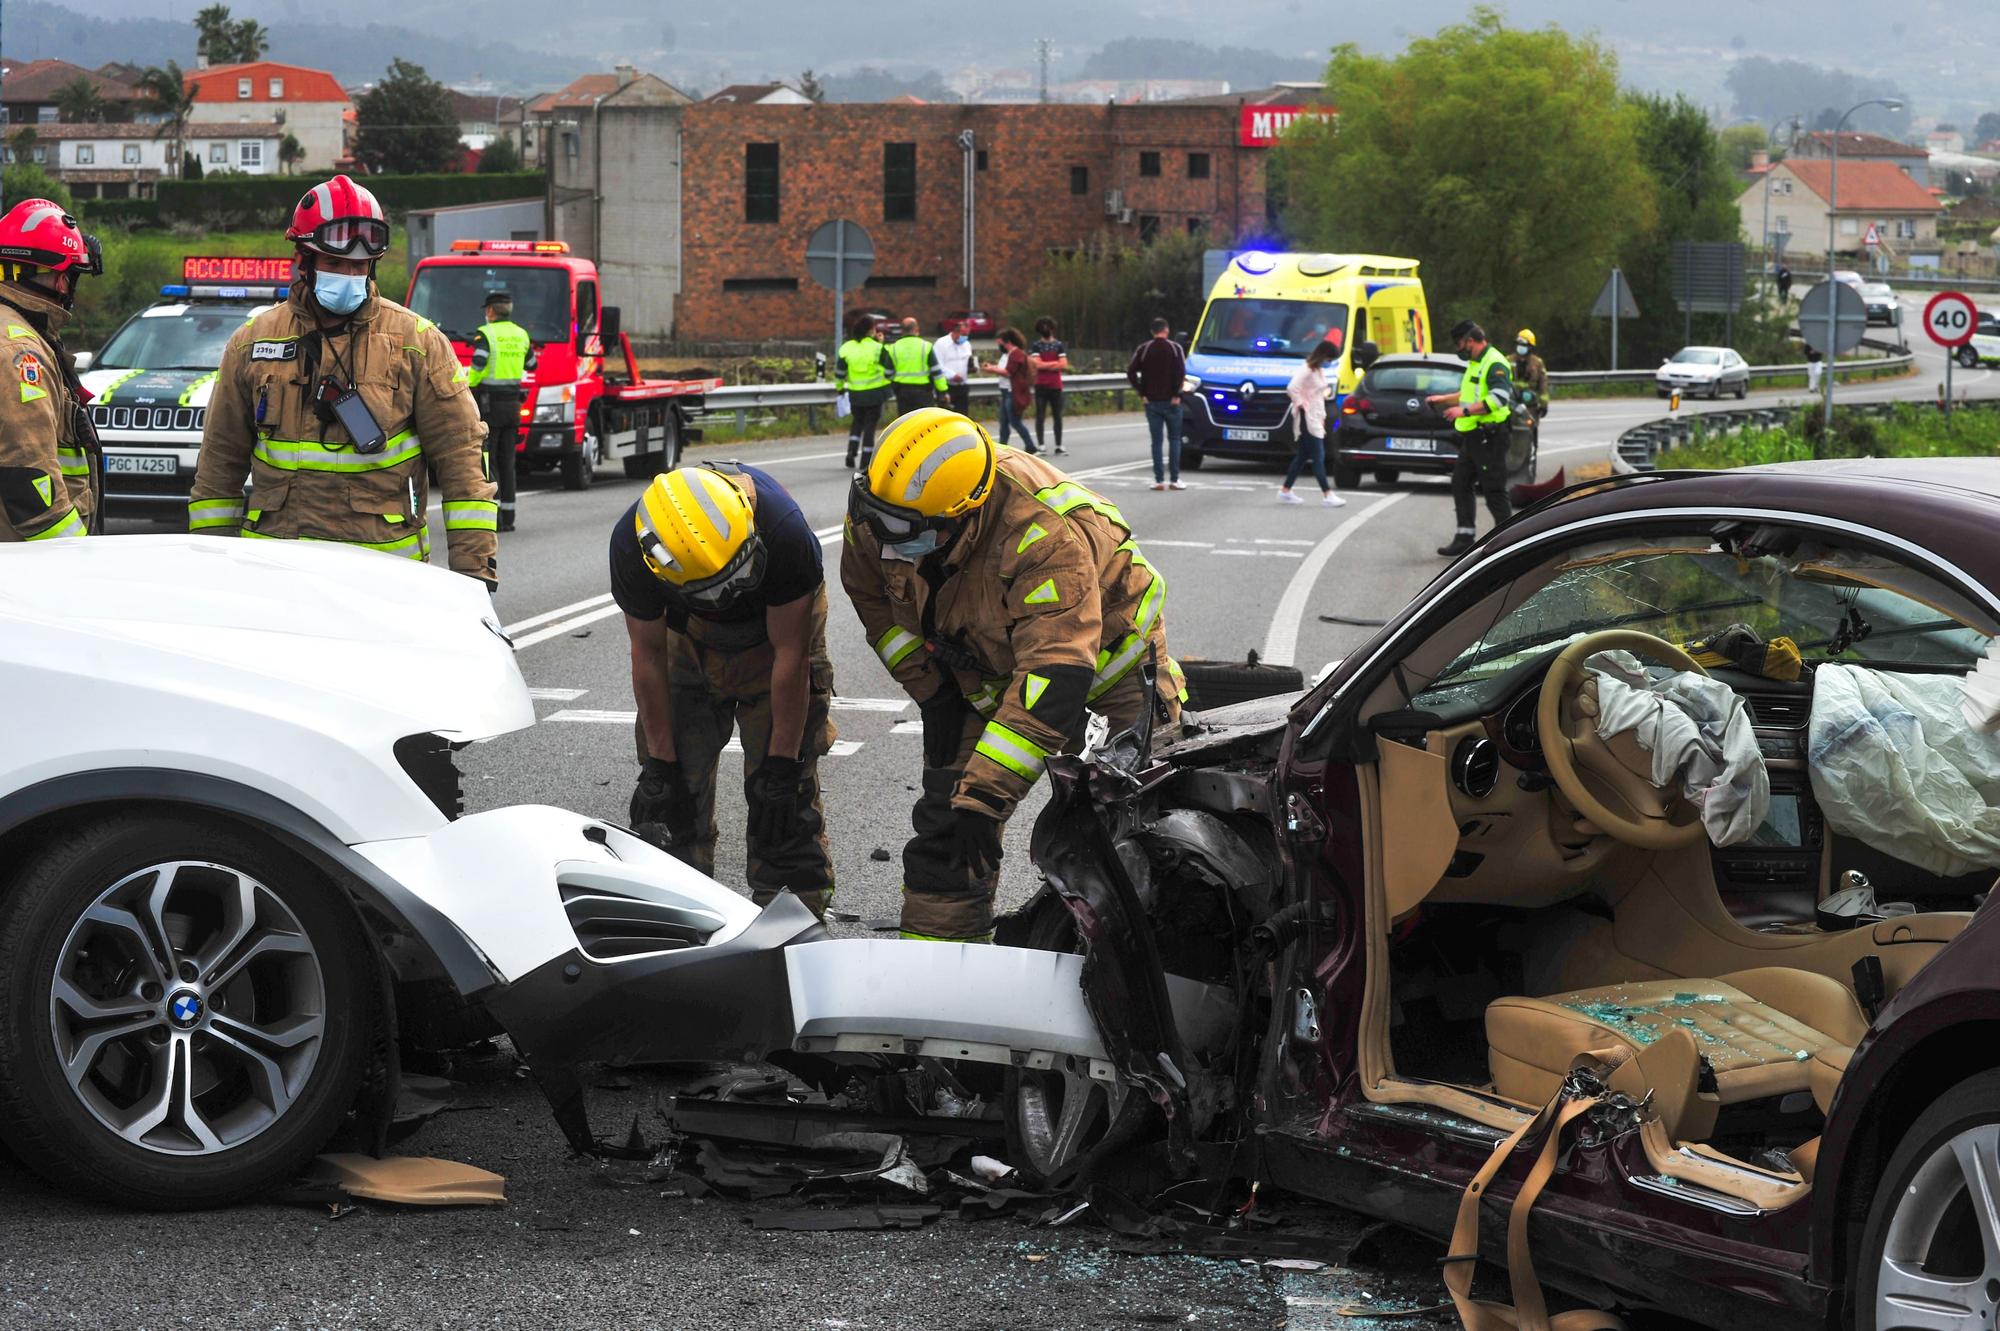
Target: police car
<point>150,383</point>
<point>1984,348</point>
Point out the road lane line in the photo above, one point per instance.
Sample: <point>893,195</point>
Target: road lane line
<point>562,626</point>
<point>536,621</point>
<point>556,695</point>
<point>1268,554</point>
<point>840,704</point>
<point>1281,644</point>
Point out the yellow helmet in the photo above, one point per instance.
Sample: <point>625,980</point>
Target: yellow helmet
<point>931,468</point>
<point>1526,335</point>
<point>697,533</point>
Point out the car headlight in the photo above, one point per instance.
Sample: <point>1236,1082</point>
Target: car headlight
<point>556,405</point>
<point>1192,383</point>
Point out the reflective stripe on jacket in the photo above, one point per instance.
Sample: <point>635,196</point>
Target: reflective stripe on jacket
<point>863,366</point>
<point>500,355</point>
<point>46,487</point>
<point>912,360</point>
<point>1473,388</point>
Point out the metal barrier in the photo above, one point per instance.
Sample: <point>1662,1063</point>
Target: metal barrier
<point>1638,448</point>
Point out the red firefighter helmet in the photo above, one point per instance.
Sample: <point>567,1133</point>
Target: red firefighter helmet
<point>38,233</point>
<point>341,219</point>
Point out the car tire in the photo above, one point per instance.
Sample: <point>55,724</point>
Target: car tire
<point>1113,1117</point>
<point>1968,358</point>
<point>579,466</point>
<point>1191,458</point>
<point>1742,390</point>
<point>189,1092</point>
<point>1923,1206</point>
<point>1219,683</point>
<point>1345,477</point>
<point>1387,475</point>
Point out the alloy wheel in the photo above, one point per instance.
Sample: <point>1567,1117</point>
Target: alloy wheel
<point>1062,1114</point>
<point>187,1008</point>
<point>1940,1264</point>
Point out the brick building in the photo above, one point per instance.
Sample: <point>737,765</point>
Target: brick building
<point>760,179</point>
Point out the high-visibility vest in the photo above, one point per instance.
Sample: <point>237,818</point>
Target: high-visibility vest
<point>863,359</point>
<point>1472,388</point>
<point>507,347</point>
<point>910,361</point>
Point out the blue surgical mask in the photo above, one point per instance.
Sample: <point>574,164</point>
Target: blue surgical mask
<point>958,337</point>
<point>910,551</point>
<point>340,293</point>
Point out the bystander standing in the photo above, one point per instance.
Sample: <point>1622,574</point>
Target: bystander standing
<point>1308,392</point>
<point>954,358</point>
<point>1015,393</point>
<point>1050,358</point>
<point>1158,369</point>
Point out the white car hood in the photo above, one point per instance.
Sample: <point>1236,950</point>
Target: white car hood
<point>389,641</point>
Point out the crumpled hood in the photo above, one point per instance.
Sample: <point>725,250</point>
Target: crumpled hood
<point>338,638</point>
<point>1221,726</point>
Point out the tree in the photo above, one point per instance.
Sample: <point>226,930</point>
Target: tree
<point>405,123</point>
<point>78,102</point>
<point>1505,160</point>
<point>500,156</point>
<point>290,152</point>
<point>252,41</point>
<point>217,34</point>
<point>1740,144</point>
<point>167,91</point>
<point>1987,129</point>
<point>810,85</point>
<point>191,168</point>
<point>24,180</point>
<point>1765,89</point>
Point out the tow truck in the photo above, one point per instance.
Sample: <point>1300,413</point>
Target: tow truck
<point>151,381</point>
<point>578,411</point>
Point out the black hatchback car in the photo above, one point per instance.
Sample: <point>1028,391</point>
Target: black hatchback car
<point>1387,428</point>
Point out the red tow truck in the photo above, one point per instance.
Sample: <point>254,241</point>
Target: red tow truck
<point>578,411</point>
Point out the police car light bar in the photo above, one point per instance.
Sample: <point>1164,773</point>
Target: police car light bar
<point>201,291</point>
<point>510,247</point>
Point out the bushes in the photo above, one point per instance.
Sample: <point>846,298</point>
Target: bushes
<point>1908,431</point>
<point>122,213</point>
<point>1106,293</point>
<point>266,201</point>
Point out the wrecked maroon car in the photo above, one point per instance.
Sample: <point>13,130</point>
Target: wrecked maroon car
<point>1627,886</point>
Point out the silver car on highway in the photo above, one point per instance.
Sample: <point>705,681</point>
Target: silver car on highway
<point>1703,372</point>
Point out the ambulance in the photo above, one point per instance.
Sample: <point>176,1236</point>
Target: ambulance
<point>1264,314</point>
<point>151,381</point>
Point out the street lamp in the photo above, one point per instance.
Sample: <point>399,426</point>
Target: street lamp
<point>1770,141</point>
<point>1832,220</point>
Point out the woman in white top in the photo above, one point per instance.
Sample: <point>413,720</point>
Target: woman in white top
<point>1309,392</point>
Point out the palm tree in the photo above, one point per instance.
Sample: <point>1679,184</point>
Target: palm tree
<point>252,40</point>
<point>217,38</point>
<point>79,101</point>
<point>169,93</point>
<point>290,151</point>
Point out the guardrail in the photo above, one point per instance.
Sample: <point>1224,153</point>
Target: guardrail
<point>741,399</point>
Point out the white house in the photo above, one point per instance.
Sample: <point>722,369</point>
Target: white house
<point>123,161</point>
<point>309,103</point>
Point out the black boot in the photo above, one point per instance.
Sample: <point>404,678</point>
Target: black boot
<point>1458,546</point>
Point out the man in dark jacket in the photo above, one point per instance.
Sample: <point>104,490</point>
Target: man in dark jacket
<point>1158,369</point>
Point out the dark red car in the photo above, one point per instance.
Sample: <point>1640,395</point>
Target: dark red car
<point>1452,914</point>
<point>978,323</point>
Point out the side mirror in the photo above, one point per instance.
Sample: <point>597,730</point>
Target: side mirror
<point>82,360</point>
<point>608,326</point>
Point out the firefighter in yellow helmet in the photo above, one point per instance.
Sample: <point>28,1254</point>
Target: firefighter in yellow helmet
<point>1007,600</point>
<point>1531,376</point>
<point>720,579</point>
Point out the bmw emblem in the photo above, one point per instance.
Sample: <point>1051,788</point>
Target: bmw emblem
<point>1247,389</point>
<point>185,1008</point>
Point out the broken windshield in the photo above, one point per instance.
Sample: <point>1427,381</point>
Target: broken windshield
<point>1832,606</point>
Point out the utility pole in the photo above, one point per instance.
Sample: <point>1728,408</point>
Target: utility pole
<point>1043,46</point>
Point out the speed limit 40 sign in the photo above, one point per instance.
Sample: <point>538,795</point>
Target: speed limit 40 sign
<point>1950,318</point>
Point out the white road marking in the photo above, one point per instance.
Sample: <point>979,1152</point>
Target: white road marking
<point>1270,540</point>
<point>586,716</point>
<point>1152,541</point>
<point>559,612</point>
<point>907,728</point>
<point>1281,643</point>
<point>1252,554</point>
<point>870,704</point>
<point>556,695</point>
<point>560,627</point>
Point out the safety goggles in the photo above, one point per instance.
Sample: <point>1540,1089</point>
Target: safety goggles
<point>93,256</point>
<point>743,574</point>
<point>346,236</point>
<point>889,523</point>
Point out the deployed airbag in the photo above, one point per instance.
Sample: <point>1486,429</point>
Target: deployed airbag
<point>1698,732</point>
<point>1894,764</point>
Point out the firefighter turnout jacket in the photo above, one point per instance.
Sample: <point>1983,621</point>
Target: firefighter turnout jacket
<point>47,478</point>
<point>1041,606</point>
<point>308,480</point>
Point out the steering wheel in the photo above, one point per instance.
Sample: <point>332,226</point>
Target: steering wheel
<point>1624,803</point>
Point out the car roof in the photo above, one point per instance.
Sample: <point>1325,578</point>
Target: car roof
<point>1435,360</point>
<point>1703,346</point>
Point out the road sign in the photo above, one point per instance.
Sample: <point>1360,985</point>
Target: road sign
<point>1873,237</point>
<point>1832,318</point>
<point>1707,276</point>
<point>839,256</point>
<point>1950,318</point>
<point>1615,295</point>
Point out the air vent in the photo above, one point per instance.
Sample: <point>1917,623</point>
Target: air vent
<point>611,927</point>
<point>1782,710</point>
<point>1475,766</point>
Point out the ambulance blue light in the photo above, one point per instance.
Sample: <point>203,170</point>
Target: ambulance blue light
<point>1256,261</point>
<point>174,289</point>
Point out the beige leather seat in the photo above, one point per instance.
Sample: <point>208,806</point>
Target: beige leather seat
<point>1759,1030</point>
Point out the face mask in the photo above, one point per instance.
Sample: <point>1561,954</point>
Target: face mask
<point>340,293</point>
<point>1520,348</point>
<point>910,551</point>
<point>958,338</point>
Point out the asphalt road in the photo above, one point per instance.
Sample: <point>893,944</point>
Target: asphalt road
<point>582,1245</point>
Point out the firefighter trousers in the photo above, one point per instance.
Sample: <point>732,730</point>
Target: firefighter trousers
<point>720,679</point>
<point>500,408</point>
<point>940,899</point>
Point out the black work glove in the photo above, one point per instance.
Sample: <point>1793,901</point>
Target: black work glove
<point>662,799</point>
<point>943,717</point>
<point>976,842</point>
<point>775,792</point>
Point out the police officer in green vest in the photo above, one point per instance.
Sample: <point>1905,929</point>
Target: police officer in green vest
<point>502,354</point>
<point>913,369</point>
<point>861,372</point>
<point>1481,411</point>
